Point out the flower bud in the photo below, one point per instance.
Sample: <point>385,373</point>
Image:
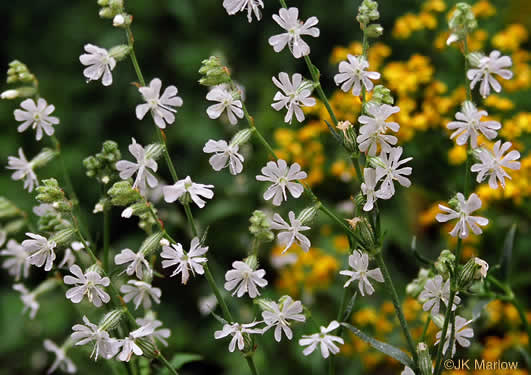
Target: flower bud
<point>260,227</point>
<point>123,194</point>
<point>414,288</point>
<point>382,95</point>
<point>19,72</point>
<point>306,216</point>
<point>349,135</point>
<point>164,242</point>
<point>111,320</point>
<point>9,94</point>
<point>367,12</point>
<point>365,232</point>
<point>106,12</point>
<point>64,237</point>
<point>374,31</point>
<point>120,51</point>
<point>43,157</point>
<point>50,192</point>
<point>474,58</point>
<point>241,137</point>
<point>138,209</point>
<point>150,244</point>
<point>461,22</point>
<point>153,151</point>
<point>102,166</point>
<point>425,365</point>
<point>118,20</point>
<point>103,3</point>
<point>474,269</point>
<point>149,349</point>
<point>213,72</point>
<point>444,263</point>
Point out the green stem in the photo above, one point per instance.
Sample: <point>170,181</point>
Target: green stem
<point>168,365</point>
<point>226,312</point>
<point>392,291</point>
<point>106,237</point>
<point>465,52</point>
<point>339,318</point>
<point>171,167</point>
<point>190,218</point>
<point>251,365</point>
<point>425,330</point>
<point>132,55</point>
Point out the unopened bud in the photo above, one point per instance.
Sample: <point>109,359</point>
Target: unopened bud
<point>241,137</point>
<point>118,20</point>
<point>50,192</point>
<point>9,94</point>
<point>444,263</point>
<point>164,242</point>
<point>64,237</point>
<point>474,269</point>
<point>425,365</point>
<point>111,320</point>
<point>474,58</point>
<point>260,226</point>
<point>461,22</point>
<point>414,288</point>
<point>306,216</point>
<point>149,349</point>
<point>382,95</point>
<point>252,262</point>
<point>43,157</point>
<point>150,244</point>
<point>120,51</point>
<point>213,72</point>
<point>374,31</point>
<point>123,194</point>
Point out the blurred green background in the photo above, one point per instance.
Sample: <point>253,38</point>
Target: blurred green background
<point>172,37</point>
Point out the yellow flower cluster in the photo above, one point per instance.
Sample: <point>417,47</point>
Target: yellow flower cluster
<point>511,38</point>
<point>425,19</point>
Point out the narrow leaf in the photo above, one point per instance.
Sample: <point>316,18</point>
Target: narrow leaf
<point>350,307</point>
<point>179,360</point>
<point>387,349</point>
<point>507,253</point>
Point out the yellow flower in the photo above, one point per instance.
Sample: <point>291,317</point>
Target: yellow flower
<point>341,243</point>
<point>457,155</point>
<point>483,9</point>
<point>510,38</point>
<point>434,6</point>
<point>499,103</point>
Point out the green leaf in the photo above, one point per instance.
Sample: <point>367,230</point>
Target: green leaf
<point>179,360</point>
<point>350,307</point>
<point>507,253</point>
<point>387,349</point>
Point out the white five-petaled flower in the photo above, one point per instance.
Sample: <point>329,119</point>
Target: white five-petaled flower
<point>368,188</point>
<point>139,265</point>
<point>40,251</point>
<point>279,314</point>
<point>89,332</point>
<point>225,154</point>
<point>326,341</point>
<point>162,107</point>
<point>295,93</point>
<point>28,299</point>
<point>157,334</point>
<point>89,283</point>
<point>129,346</point>
<point>61,362</point>
<point>434,292</point>
<point>485,70</point>
<point>191,261</point>
<point>145,167</point>
<point>226,101</point>
<point>253,6</point>
<point>469,124</point>
<point>492,164</point>
<point>288,19</point>
<point>36,115</point>
<point>390,171</point>
<point>99,64</point>
<point>466,221</point>
<point>237,330</point>
<point>207,304</point>
<point>141,293</point>
<point>23,170</point>
<point>291,232</point>
<point>353,73</point>
<point>243,279</point>
<point>462,335</point>
<point>281,176</point>
<point>372,132</point>
<point>181,187</point>
<point>17,263</point>
<point>360,263</point>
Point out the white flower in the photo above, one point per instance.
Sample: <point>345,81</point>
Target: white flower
<point>407,371</point>
<point>326,342</point>
<point>487,67</point>
<point>23,170</point>
<point>469,124</point>
<point>225,155</point>
<point>17,263</point>
<point>288,19</point>
<point>129,345</point>
<point>353,74</point>
<point>360,263</point>
<point>103,344</point>
<point>207,304</point>
<point>492,163</point>
<point>61,362</point>
<point>253,6</point>
<point>28,299</point>
<point>278,315</point>
<point>145,167</point>
<point>461,335</point>
<point>138,265</point>
<point>237,330</point>
<point>69,258</point>
<point>391,172</point>
<point>282,177</point>
<point>185,261</point>
<point>227,102</point>
<point>243,279</point>
<point>434,292</point>
<point>295,93</point>
<point>483,267</point>
<point>141,293</point>
<point>291,232</point>
<point>89,283</point>
<point>40,251</point>
<point>280,260</point>
<point>368,188</point>
<point>36,115</point>
<point>157,334</point>
<point>373,131</point>
<point>181,187</point>
<point>162,107</point>
<point>464,209</point>
<point>99,64</point>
